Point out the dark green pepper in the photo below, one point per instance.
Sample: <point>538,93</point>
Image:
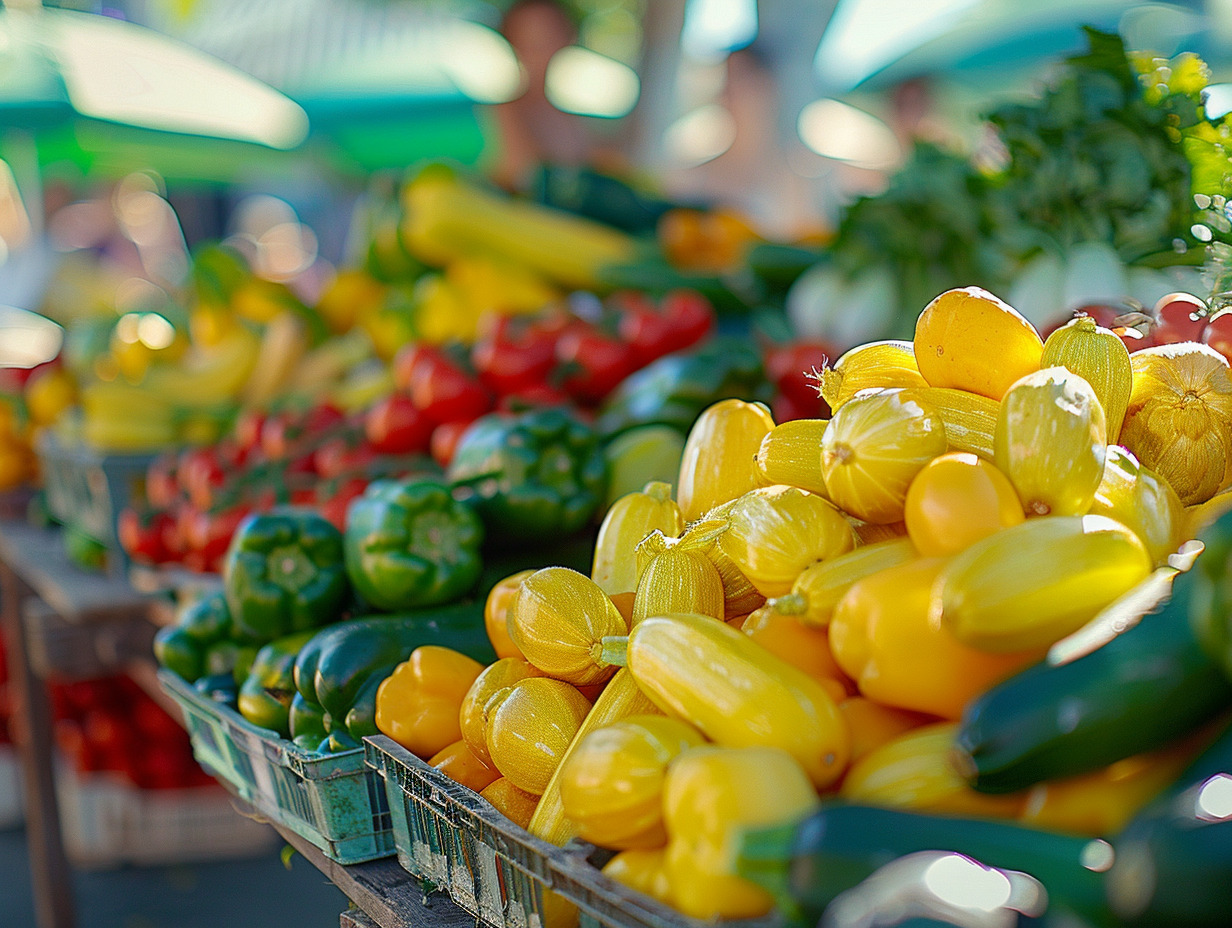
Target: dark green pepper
<point>1210,606</point>
<point>266,692</point>
<point>220,687</point>
<point>307,722</point>
<point>179,652</point>
<point>532,476</point>
<point>410,544</point>
<point>284,573</point>
<point>201,642</point>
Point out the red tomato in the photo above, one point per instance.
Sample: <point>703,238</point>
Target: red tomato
<point>1218,333</point>
<point>788,366</point>
<point>691,314</point>
<point>785,407</point>
<point>142,535</point>
<point>248,426</point>
<point>283,432</point>
<point>209,532</point>
<point>395,425</point>
<point>593,363</point>
<point>445,392</point>
<point>511,355</point>
<point>161,486</point>
<point>201,474</point>
<point>334,499</point>
<point>1179,317</point>
<point>407,358</point>
<point>445,438</point>
<point>339,456</point>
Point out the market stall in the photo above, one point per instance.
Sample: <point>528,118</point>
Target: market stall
<point>587,555</point>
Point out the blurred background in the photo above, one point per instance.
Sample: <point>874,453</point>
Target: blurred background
<point>214,211</point>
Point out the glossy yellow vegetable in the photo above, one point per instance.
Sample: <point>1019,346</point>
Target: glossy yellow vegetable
<point>629,520</point>
<point>1201,516</point>
<point>1031,585</point>
<point>531,727</point>
<point>711,794</point>
<point>969,339</point>
<point>869,534</point>
<point>644,871</point>
<point>820,586</point>
<point>957,499</point>
<point>719,461</point>
<point>459,763</point>
<point>496,613</point>
<point>1098,356</point>
<point>790,455</point>
<point>1102,802</point>
<point>612,783</point>
<point>620,699</point>
<point>732,689</point>
<point>1137,498</point>
<point>418,705</point>
<point>805,647</point>
<point>1179,421</point>
<point>970,420</point>
<point>515,804</point>
<point>472,718</point>
<point>872,366</point>
<point>740,597</point>
<point>557,618</point>
<point>883,636</point>
<point>914,771</point>
<point>680,578</point>
<point>1050,441</point>
<point>872,449</point>
<point>872,724</point>
<point>773,533</point>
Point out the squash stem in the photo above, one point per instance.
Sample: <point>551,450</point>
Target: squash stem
<point>611,651</point>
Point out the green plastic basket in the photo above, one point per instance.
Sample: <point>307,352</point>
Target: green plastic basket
<point>334,801</point>
<point>452,838</point>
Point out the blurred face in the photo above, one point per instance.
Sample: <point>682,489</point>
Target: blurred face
<point>537,32</point>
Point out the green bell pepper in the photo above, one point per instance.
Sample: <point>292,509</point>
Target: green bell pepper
<point>284,573</point>
<point>533,476</point>
<point>307,722</point>
<point>266,692</point>
<point>202,642</point>
<point>410,544</point>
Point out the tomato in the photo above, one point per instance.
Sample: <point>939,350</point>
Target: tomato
<point>533,397</point>
<point>788,365</point>
<point>208,533</point>
<point>445,438</point>
<point>343,455</point>
<point>408,358</point>
<point>333,499</point>
<point>395,425</point>
<point>282,433</point>
<point>692,316</point>
<point>445,392</point>
<point>511,355</point>
<point>593,363</point>
<point>1179,317</point>
<point>248,426</point>
<point>161,487</point>
<point>202,473</point>
<point>1218,333</point>
<point>143,535</point>
<point>785,407</point>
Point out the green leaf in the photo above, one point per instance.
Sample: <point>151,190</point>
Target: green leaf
<point>286,855</point>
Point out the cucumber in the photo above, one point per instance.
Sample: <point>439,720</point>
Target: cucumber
<point>1174,859</point>
<point>1145,688</point>
<point>807,864</point>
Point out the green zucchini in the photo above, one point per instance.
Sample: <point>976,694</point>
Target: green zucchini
<point>265,695</point>
<point>1174,859</point>
<point>807,864</point>
<point>1145,688</point>
<point>361,717</point>
<point>333,667</point>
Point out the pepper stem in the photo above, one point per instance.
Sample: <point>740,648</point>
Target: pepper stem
<point>788,604</point>
<point>611,651</point>
<point>658,490</point>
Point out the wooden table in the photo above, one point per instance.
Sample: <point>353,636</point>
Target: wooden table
<point>38,584</point>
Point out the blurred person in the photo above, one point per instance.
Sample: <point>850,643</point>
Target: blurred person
<point>530,130</point>
<point>753,175</point>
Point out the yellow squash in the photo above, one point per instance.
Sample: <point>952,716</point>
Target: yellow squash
<point>821,585</point>
<point>773,533</point>
<point>719,455</point>
<point>612,783</point>
<point>872,366</point>
<point>805,647</point>
<point>1050,441</point>
<point>1134,496</point>
<point>1028,586</point>
<point>644,871</point>
<point>1179,421</point>
<point>914,771</point>
<point>873,724</point>
<point>883,636</point>
<point>740,596</point>
<point>711,794</point>
<point>472,717</point>
<point>496,613</point>
<point>957,499</point>
<point>629,520</point>
<point>735,691</point>
<point>872,449</point>
<point>970,419</point>
<point>530,728</point>
<point>969,339</point>
<point>459,763</point>
<point>680,578</point>
<point>790,454</point>
<point>558,617</point>
<point>1099,357</point>
<point>515,804</point>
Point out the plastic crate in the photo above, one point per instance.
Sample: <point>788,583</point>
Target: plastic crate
<point>88,489</point>
<point>451,837</point>
<point>12,809</point>
<point>107,822</point>
<point>334,801</point>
